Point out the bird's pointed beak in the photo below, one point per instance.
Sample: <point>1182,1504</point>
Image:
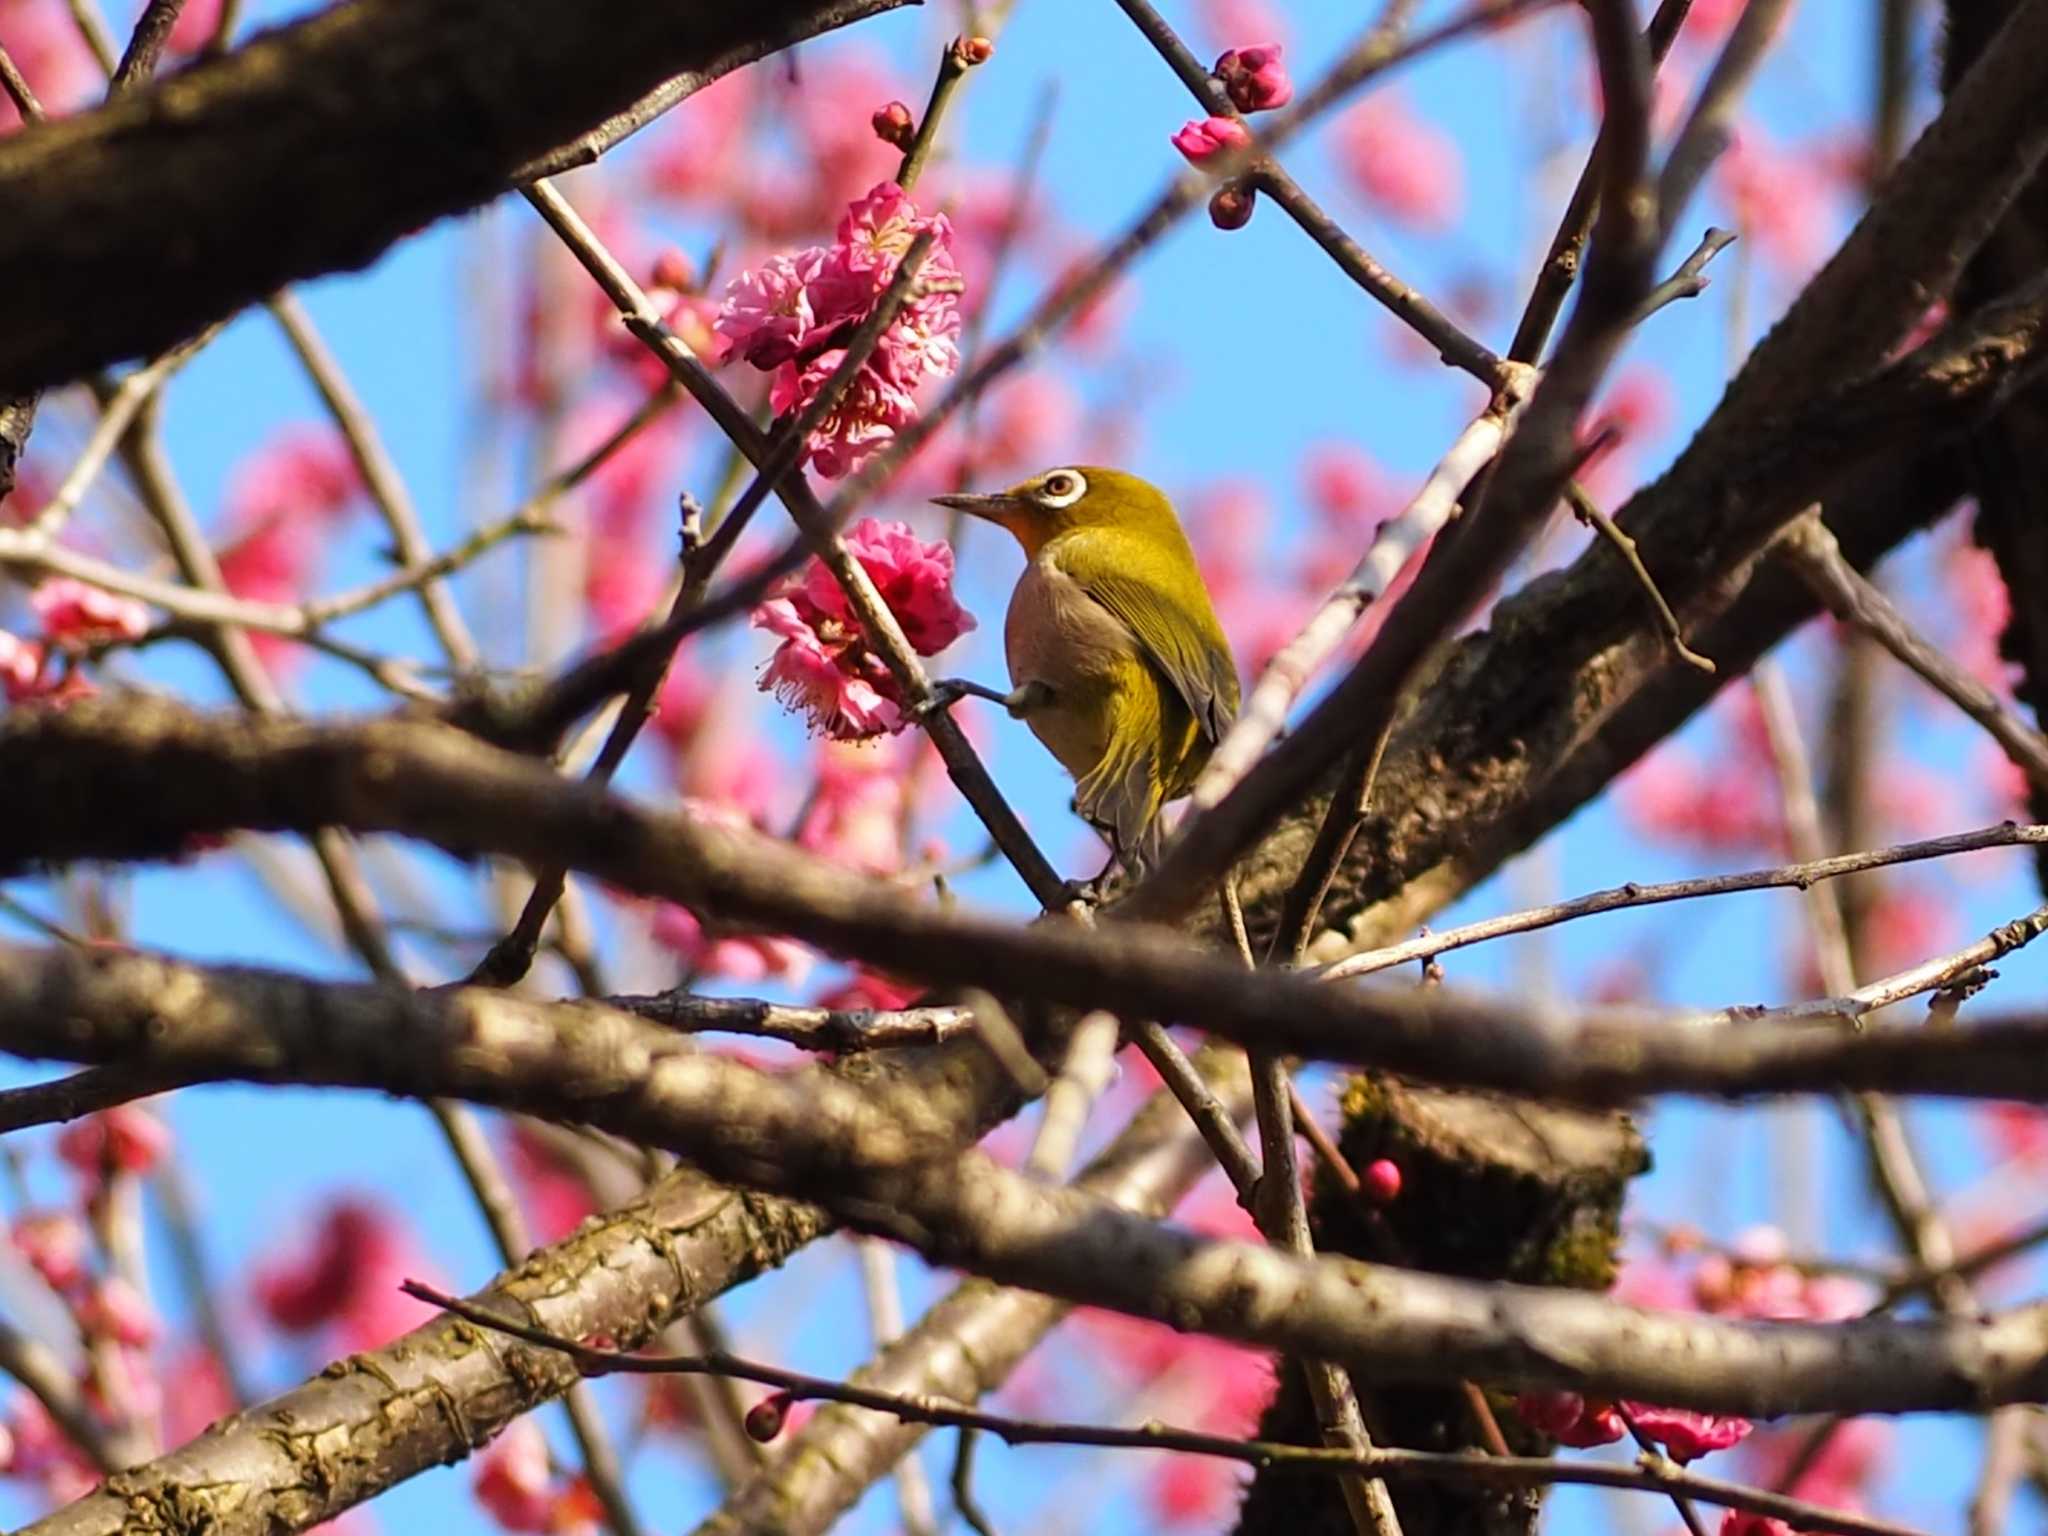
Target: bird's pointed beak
<point>993,508</point>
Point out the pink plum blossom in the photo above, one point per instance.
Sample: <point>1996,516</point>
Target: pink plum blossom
<point>855,817</point>
<point>1255,78</point>
<point>75,614</point>
<point>1574,1420</point>
<point>915,579</point>
<point>516,1483</point>
<point>1686,1435</point>
<point>863,420</point>
<point>125,1139</point>
<point>742,957</point>
<point>1571,1419</point>
<point>793,312</point>
<point>768,314</point>
<point>1405,168</point>
<point>1211,137</point>
<point>831,679</point>
<point>343,1275</point>
<point>822,667</point>
<point>54,1243</point>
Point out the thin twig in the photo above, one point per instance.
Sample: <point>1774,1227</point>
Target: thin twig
<point>1394,543</point>
<point>1857,601</point>
<point>1217,1125</point>
<point>885,1326</point>
<point>963,1485</point>
<point>488,1186</point>
<point>117,414</point>
<point>1560,267</point>
<point>1407,302</point>
<point>1690,280</point>
<point>19,91</point>
<point>380,476</point>
<point>1427,946</point>
<point>1281,1211</point>
<point>145,45</point>
<point>954,63</point>
<point>1496,1471</point>
<point>835,1030</point>
<point>1962,970</point>
<point>1693,1524</point>
<point>1081,1080</point>
<point>52,1383</point>
<point>1584,508</point>
<point>92,27</point>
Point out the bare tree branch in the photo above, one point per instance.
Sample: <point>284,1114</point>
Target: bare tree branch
<point>127,227</point>
<point>884,1161</point>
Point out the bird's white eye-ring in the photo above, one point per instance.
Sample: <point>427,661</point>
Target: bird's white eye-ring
<point>1062,488</point>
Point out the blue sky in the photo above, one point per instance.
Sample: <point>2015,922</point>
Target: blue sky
<point>1242,351</point>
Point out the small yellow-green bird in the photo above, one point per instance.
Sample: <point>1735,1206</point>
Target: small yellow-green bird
<point>1116,660</point>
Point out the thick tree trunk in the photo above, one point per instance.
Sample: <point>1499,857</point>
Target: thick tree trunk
<point>1491,1188</point>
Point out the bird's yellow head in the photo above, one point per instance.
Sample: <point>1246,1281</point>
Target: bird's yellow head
<point>1074,496</point>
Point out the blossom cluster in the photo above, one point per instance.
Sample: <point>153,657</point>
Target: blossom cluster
<point>117,1376</point>
<point>823,666</point>
<point>1570,1419</point>
<point>792,315</point>
<point>1255,80</point>
<point>1752,1277</point>
<point>74,617</point>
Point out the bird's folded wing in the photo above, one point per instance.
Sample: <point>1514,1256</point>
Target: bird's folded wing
<point>1166,625</point>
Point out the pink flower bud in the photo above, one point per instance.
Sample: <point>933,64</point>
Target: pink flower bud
<point>1255,78</point>
<point>672,270</point>
<point>893,125</point>
<point>1231,207</point>
<point>1213,136</point>
<point>974,50</point>
<point>765,1419</point>
<point>1382,1181</point>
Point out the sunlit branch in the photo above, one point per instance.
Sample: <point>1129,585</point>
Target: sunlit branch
<point>1657,1476</point>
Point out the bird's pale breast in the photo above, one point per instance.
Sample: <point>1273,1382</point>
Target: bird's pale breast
<point>1056,634</point>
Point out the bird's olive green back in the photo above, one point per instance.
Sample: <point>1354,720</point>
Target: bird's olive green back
<point>1123,545</point>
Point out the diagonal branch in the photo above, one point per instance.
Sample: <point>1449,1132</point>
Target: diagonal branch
<point>127,227</point>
